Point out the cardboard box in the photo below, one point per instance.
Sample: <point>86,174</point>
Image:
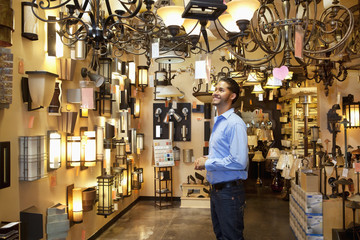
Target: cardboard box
<point>309,182</point>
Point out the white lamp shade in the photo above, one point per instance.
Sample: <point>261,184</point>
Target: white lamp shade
<point>41,87</point>
<point>327,3</point>
<point>258,89</point>
<point>169,91</point>
<point>242,9</point>
<point>77,205</point>
<point>273,83</point>
<point>115,5</point>
<point>252,79</point>
<point>273,153</point>
<point>54,150</point>
<point>189,25</point>
<point>228,23</point>
<point>171,15</point>
<point>329,169</point>
<point>90,148</point>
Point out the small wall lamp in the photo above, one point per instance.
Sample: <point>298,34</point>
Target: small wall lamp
<point>77,205</point>
<point>88,141</point>
<point>143,77</point>
<point>54,147</point>
<point>29,24</point>
<point>105,204</point>
<point>73,152</point>
<point>96,78</point>
<point>351,111</point>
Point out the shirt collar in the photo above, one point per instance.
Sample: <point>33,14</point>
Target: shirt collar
<point>225,114</point>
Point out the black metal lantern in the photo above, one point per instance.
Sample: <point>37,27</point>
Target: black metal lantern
<point>105,204</point>
<point>351,111</point>
<point>203,9</point>
<point>29,26</point>
<point>143,77</point>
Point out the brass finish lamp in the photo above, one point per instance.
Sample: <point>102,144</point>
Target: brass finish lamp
<point>258,157</point>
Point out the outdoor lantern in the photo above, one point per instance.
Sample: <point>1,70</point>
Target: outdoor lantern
<point>314,133</point>
<point>203,9</point>
<point>351,111</point>
<point>107,146</point>
<point>30,25</point>
<point>41,86</point>
<point>137,178</point>
<point>124,183</point>
<point>105,203</point>
<point>117,172</point>
<point>139,142</point>
<point>120,156</point>
<point>54,141</point>
<point>143,77</point>
<point>89,141</point>
<point>31,158</point>
<point>73,151</point>
<point>77,205</point>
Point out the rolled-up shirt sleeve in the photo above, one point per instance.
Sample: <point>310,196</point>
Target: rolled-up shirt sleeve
<point>238,157</point>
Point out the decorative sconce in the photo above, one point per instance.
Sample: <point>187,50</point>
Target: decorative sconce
<point>38,89</point>
<point>32,158</point>
<point>107,147</point>
<point>118,175</point>
<point>54,139</point>
<point>29,24</point>
<point>133,140</point>
<point>4,164</point>
<point>77,205</point>
<point>139,142</point>
<point>351,111</point>
<point>143,77</point>
<point>88,142</point>
<point>73,156</point>
<point>120,156</point>
<point>105,204</point>
<point>96,78</point>
<point>137,178</point>
<point>135,107</point>
<point>99,143</point>
<point>54,108</point>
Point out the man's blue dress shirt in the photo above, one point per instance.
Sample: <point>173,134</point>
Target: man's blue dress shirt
<point>228,150</point>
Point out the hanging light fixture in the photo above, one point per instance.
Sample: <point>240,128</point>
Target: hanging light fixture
<point>257,89</point>
<point>351,111</point>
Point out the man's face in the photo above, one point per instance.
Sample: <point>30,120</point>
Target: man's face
<point>222,94</point>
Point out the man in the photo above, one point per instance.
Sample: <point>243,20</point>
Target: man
<point>226,164</point>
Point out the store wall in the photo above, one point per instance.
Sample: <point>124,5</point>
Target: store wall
<point>14,122</point>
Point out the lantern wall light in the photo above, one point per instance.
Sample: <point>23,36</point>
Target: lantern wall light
<point>54,149</point>
<point>29,23</point>
<point>105,203</point>
<point>77,205</point>
<point>32,158</point>
<point>351,111</point>
<point>73,151</point>
<point>143,77</point>
<point>88,142</point>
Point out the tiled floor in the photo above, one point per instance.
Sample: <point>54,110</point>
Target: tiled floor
<point>266,218</point>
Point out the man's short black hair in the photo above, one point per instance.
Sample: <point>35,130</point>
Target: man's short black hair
<point>233,86</point>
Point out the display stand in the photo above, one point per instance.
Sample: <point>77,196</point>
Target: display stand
<point>194,196</point>
<point>163,189</point>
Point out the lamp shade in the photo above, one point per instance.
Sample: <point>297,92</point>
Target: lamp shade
<point>77,205</point>
<point>252,140</point>
<point>73,151</point>
<point>228,23</point>
<point>327,3</point>
<point>242,9</point>
<point>252,79</point>
<point>314,133</point>
<point>30,25</point>
<point>169,91</point>
<point>54,149</point>
<point>90,148</point>
<point>258,157</point>
<point>273,153</point>
<point>258,89</point>
<point>329,167</point>
<point>189,25</point>
<point>41,87</point>
<point>97,79</point>
<point>171,15</point>
<point>143,76</point>
<point>273,83</point>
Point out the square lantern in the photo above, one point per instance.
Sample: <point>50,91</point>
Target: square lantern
<point>54,148</point>
<point>29,25</point>
<point>203,9</point>
<point>32,158</point>
<point>351,111</point>
<point>105,203</point>
<point>120,156</point>
<point>137,178</point>
<point>73,151</point>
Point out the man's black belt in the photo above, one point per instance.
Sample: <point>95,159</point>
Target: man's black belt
<point>219,186</point>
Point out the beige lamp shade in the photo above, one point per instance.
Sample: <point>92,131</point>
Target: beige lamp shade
<point>273,83</point>
<point>329,168</point>
<point>258,89</point>
<point>228,23</point>
<point>41,87</point>
<point>189,25</point>
<point>253,140</point>
<point>169,91</point>
<point>242,9</point>
<point>273,153</point>
<point>327,3</point>
<point>258,157</point>
<point>171,15</point>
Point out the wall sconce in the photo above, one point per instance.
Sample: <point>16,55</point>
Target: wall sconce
<point>143,77</point>
<point>84,112</point>
<point>124,182</point>
<point>73,152</point>
<point>99,143</point>
<point>29,23</point>
<point>351,111</point>
<point>137,178</point>
<point>77,205</point>
<point>107,147</point>
<point>38,89</point>
<point>4,164</point>
<point>54,147</point>
<point>139,142</point>
<point>129,170</point>
<point>120,156</point>
<point>88,142</point>
<point>133,140</point>
<point>105,204</point>
<point>96,78</point>
<point>31,158</point>
<point>135,107</point>
<point>117,172</point>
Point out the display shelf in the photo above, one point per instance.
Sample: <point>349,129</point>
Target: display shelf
<point>194,196</point>
<point>163,189</point>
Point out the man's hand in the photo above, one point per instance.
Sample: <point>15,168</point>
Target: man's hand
<point>200,163</point>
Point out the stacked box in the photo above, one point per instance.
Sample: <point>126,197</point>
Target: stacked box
<point>58,224</point>
<point>306,218</point>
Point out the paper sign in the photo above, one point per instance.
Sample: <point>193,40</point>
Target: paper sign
<point>299,41</point>
<point>151,81</point>
<point>87,98</point>
<point>200,69</point>
<point>345,172</point>
<point>155,48</point>
<point>31,122</point>
<point>357,167</point>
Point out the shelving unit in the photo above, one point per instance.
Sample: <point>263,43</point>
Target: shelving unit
<point>163,189</point>
<point>194,196</point>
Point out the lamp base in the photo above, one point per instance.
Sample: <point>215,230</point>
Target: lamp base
<point>258,182</point>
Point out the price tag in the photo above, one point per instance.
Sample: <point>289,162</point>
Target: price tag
<point>357,167</point>
<point>345,172</point>
<point>155,48</point>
